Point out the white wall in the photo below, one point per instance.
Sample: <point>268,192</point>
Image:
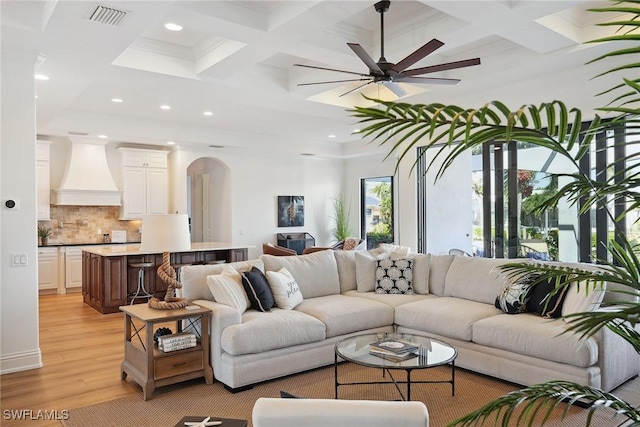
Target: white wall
<point>19,344</point>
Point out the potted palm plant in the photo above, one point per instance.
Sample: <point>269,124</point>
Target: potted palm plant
<point>451,130</point>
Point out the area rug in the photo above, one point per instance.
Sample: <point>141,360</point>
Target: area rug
<point>169,404</point>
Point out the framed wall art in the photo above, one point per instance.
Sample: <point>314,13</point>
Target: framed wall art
<point>290,211</point>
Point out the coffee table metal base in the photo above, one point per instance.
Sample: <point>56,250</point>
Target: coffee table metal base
<point>393,381</point>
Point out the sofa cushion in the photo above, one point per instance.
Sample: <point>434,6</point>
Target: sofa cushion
<point>257,288</point>
<point>346,262</point>
<point>194,277</point>
<point>475,279</point>
<point>227,289</point>
<point>394,276</point>
<point>449,317</point>
<point>438,268</point>
<point>285,290</point>
<point>581,297</point>
<point>316,273</point>
<point>536,336</point>
<point>392,300</point>
<point>344,314</point>
<point>278,328</point>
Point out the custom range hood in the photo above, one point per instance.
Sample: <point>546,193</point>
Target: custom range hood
<point>87,180</point>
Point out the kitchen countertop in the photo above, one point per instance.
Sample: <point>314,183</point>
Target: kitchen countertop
<point>58,245</point>
<point>134,249</point>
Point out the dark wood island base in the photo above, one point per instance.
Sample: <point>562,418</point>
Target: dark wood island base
<point>109,279</point>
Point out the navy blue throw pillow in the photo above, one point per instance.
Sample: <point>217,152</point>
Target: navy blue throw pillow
<point>257,288</point>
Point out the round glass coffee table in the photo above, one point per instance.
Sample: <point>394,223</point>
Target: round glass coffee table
<point>430,353</point>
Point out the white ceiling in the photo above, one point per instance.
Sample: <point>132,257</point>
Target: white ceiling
<point>235,59</point>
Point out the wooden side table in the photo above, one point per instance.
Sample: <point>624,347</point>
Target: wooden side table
<point>153,368</point>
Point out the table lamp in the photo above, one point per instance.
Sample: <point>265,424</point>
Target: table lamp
<point>166,233</point>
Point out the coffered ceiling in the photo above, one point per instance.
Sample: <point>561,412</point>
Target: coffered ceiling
<point>235,59</point>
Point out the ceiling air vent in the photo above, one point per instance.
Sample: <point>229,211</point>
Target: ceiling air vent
<point>107,15</point>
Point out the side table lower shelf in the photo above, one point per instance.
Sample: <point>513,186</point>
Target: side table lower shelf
<point>152,368</point>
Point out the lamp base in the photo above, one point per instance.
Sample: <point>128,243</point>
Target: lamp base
<point>173,304</point>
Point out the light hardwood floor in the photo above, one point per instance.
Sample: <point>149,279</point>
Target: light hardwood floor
<point>81,352</point>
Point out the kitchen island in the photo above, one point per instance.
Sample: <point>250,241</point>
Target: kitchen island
<point>109,277</point>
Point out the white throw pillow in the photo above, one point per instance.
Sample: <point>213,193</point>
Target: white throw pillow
<point>582,298</point>
<point>396,250</point>
<point>227,289</point>
<point>285,290</point>
<point>421,266</point>
<point>366,269</point>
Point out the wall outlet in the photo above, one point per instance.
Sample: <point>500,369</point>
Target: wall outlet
<point>99,231</point>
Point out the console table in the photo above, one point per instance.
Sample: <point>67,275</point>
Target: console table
<point>108,278</point>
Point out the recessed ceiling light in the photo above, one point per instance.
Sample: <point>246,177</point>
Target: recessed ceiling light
<point>332,136</point>
<point>208,113</point>
<point>165,107</point>
<point>102,136</point>
<point>116,100</point>
<point>172,26</point>
<point>41,77</point>
<point>171,143</point>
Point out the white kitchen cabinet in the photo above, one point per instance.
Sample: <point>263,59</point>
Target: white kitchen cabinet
<point>73,270</point>
<point>145,182</point>
<point>48,271</point>
<point>43,180</point>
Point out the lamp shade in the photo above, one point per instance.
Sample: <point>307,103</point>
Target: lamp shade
<point>165,233</point>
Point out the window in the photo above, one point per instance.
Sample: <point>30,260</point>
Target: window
<point>376,205</point>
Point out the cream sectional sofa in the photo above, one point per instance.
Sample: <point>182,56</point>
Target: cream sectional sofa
<point>455,304</point>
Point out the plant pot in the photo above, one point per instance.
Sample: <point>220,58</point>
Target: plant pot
<point>44,240</point>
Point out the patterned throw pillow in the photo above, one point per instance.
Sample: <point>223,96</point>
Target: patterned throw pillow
<point>542,302</point>
<point>257,288</point>
<point>393,276</point>
<point>514,297</point>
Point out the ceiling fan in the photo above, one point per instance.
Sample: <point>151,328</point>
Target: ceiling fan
<point>390,74</point>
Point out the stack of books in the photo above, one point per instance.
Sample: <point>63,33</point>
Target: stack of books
<point>393,350</point>
<point>177,341</point>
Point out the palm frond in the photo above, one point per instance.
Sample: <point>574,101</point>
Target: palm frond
<point>544,398</point>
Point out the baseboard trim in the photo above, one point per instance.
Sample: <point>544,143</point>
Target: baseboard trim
<point>23,361</point>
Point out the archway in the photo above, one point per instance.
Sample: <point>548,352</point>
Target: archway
<point>209,200</point>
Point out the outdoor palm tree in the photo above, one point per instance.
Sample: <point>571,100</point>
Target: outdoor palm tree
<point>451,130</point>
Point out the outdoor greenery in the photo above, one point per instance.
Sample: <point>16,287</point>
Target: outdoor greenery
<point>381,232</point>
<point>450,130</point>
<point>341,212</point>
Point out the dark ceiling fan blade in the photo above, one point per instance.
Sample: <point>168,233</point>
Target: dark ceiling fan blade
<point>395,88</point>
<point>429,80</point>
<point>356,88</point>
<point>364,57</point>
<point>416,56</point>
<point>439,67</point>
<point>332,81</point>
<point>330,69</point>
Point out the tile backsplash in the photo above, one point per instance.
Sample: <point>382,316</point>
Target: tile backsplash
<point>80,224</point>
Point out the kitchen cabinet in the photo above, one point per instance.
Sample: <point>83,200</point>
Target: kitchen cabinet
<point>48,271</point>
<point>43,180</point>
<point>73,269</point>
<point>145,182</point>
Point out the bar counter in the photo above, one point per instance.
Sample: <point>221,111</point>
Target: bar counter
<point>109,278</point>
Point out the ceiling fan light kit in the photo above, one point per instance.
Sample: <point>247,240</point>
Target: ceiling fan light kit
<point>389,73</point>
